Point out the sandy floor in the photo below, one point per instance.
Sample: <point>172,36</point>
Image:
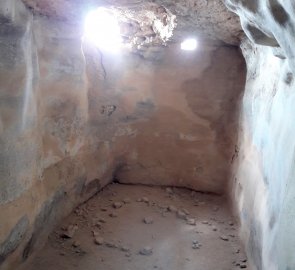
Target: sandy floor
<point>144,228</point>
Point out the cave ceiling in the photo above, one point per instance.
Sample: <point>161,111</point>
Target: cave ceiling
<point>153,22</point>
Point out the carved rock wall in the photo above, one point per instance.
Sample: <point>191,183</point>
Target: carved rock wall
<point>264,178</point>
<point>74,118</point>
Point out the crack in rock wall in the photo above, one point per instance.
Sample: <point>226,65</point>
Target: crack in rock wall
<point>264,189</point>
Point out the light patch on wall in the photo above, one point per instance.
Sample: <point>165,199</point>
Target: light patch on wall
<point>189,44</point>
<point>103,30</point>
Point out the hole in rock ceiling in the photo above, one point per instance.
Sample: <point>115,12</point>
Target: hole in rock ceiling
<point>189,44</point>
<point>103,30</point>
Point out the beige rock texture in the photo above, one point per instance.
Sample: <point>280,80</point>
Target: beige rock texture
<point>204,18</point>
<point>73,119</point>
<point>264,176</point>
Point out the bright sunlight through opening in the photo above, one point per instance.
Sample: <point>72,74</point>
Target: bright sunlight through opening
<point>102,29</point>
<point>189,44</point>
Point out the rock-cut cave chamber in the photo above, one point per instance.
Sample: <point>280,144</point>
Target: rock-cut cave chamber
<point>164,142</point>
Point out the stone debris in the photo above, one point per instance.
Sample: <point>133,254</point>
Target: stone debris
<point>196,244</point>
<point>111,245</point>
<point>185,211</point>
<point>105,238</point>
<point>126,200</point>
<point>101,220</point>
<point>69,231</point>
<point>180,214</point>
<point>97,224</point>
<point>98,240</point>
<point>224,238</point>
<point>146,251</point>
<point>117,205</point>
<point>125,249</point>
<point>191,221</point>
<point>242,265</point>
<point>162,207</point>
<point>148,220</point>
<point>95,233</point>
<point>76,244</point>
<point>145,199</point>
<point>169,190</point>
<point>172,208</point>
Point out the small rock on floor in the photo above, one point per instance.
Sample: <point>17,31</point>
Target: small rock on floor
<point>145,199</point>
<point>75,244</point>
<point>111,245</point>
<point>125,249</point>
<point>117,205</point>
<point>126,200</point>
<point>172,208</point>
<point>98,240</point>
<point>181,214</point>
<point>148,220</point>
<point>113,215</point>
<point>224,238</point>
<point>146,251</point>
<point>185,211</point>
<point>196,244</point>
<point>191,221</point>
<point>70,231</point>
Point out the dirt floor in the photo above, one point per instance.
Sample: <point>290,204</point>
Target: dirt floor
<point>143,228</point>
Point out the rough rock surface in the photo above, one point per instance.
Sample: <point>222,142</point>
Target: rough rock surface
<point>264,185</point>
<point>204,18</point>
